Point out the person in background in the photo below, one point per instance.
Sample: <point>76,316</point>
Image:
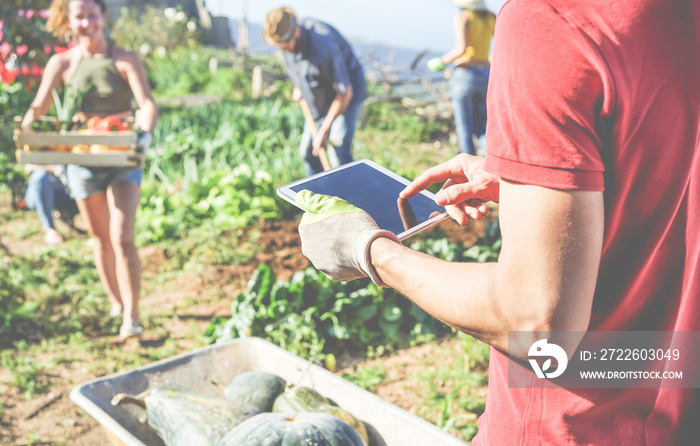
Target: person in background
<point>326,76</point>
<point>46,194</point>
<point>106,197</point>
<point>473,28</point>
<point>594,158</point>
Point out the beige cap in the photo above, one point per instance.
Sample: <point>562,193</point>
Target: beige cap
<point>279,26</point>
<point>476,5</point>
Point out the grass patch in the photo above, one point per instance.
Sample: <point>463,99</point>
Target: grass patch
<point>366,377</point>
<point>27,374</point>
<point>454,392</point>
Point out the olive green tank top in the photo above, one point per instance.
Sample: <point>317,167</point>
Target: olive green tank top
<point>110,93</point>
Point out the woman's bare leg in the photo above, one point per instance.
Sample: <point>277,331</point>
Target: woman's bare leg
<point>123,200</point>
<point>94,211</point>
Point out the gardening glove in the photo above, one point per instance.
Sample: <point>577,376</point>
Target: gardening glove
<point>336,237</point>
<point>436,64</point>
<point>143,141</point>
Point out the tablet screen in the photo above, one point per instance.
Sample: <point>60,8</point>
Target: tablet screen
<point>375,190</point>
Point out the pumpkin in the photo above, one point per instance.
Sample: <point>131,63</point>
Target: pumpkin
<point>291,429</point>
<point>183,417</point>
<point>258,389</point>
<point>305,399</point>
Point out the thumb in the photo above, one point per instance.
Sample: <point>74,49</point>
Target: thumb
<point>310,201</point>
<point>323,206</point>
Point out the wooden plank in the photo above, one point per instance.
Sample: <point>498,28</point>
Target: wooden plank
<point>49,139</point>
<point>114,159</point>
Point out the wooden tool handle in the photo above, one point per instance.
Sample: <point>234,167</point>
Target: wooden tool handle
<point>322,155</point>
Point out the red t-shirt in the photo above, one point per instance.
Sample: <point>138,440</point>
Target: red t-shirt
<point>603,95</point>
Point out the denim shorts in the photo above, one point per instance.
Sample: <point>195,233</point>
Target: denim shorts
<point>85,181</point>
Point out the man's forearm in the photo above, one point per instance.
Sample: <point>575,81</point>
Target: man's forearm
<point>336,109</point>
<point>543,281</point>
<point>462,295</point>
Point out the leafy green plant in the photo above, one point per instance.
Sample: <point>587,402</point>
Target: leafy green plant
<point>68,105</point>
<point>152,31</point>
<point>15,309</point>
<point>397,119</point>
<point>33,439</point>
<point>25,372</point>
<point>366,377</point>
<point>222,200</point>
<point>451,392</point>
<point>15,99</point>
<point>310,309</point>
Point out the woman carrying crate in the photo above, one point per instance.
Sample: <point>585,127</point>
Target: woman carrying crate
<point>107,197</point>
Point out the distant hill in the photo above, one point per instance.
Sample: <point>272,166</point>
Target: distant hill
<point>398,58</point>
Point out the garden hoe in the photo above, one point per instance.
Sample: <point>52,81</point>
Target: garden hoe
<point>322,154</point>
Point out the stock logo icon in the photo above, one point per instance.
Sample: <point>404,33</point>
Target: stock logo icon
<point>542,349</point>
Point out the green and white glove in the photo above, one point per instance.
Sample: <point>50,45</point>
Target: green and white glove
<point>436,64</point>
<point>336,237</point>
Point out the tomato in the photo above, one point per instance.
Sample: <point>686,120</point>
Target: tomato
<point>110,124</point>
<point>92,122</point>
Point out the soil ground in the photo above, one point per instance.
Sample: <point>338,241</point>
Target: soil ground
<point>52,418</point>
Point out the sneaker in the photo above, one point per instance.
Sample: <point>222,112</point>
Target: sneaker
<point>130,328</point>
<point>52,237</point>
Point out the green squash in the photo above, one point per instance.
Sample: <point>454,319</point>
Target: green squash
<point>304,399</point>
<point>292,429</point>
<point>258,389</point>
<point>183,417</point>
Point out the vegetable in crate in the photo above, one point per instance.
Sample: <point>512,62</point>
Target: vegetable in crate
<point>258,389</point>
<point>101,148</point>
<point>92,122</point>
<point>71,103</point>
<point>110,124</point>
<point>292,429</point>
<point>304,399</point>
<point>183,417</point>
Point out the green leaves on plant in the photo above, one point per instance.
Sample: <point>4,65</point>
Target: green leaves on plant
<point>222,201</point>
<point>301,313</point>
<point>70,104</point>
<point>366,377</point>
<point>25,372</point>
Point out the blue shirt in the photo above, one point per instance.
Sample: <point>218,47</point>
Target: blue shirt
<point>324,65</point>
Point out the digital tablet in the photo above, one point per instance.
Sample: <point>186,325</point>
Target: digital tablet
<point>374,189</point>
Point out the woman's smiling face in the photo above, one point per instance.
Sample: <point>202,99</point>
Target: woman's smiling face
<point>85,18</point>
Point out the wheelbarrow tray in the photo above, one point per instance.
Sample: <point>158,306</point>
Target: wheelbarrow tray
<point>211,369</point>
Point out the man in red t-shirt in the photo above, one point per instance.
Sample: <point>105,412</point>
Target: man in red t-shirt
<point>593,151</point>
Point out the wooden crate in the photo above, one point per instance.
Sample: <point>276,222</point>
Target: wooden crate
<point>50,148</point>
<point>113,159</point>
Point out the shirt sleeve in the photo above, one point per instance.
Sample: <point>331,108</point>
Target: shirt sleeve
<point>341,73</point>
<point>544,99</point>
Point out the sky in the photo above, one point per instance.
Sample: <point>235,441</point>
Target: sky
<point>416,24</point>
